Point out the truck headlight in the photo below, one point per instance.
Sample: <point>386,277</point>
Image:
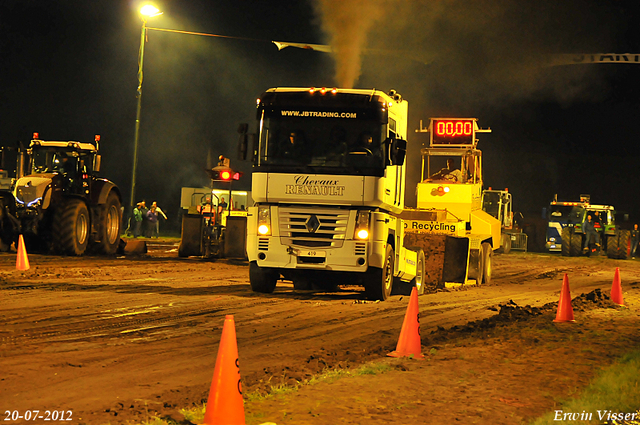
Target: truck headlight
<point>362,225</point>
<point>264,221</point>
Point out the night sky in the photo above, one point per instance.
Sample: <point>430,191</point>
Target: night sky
<point>69,71</point>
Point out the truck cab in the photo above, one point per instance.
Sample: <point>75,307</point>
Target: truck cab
<point>328,179</point>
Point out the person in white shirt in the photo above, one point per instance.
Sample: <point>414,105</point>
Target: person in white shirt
<point>160,213</point>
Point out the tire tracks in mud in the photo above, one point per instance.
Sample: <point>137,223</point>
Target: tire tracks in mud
<point>177,309</point>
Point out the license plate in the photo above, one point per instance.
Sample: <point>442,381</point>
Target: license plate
<point>311,253</point>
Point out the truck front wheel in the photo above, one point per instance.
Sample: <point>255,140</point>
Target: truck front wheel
<point>262,280</point>
<point>379,282</point>
<point>71,228</point>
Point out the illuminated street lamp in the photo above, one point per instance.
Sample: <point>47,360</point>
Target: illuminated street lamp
<point>147,11</point>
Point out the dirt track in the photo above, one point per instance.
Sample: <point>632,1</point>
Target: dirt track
<point>112,339</point>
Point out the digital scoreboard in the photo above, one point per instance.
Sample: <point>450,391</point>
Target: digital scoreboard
<point>453,132</point>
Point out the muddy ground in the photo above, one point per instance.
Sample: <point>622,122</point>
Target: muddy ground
<point>118,340</point>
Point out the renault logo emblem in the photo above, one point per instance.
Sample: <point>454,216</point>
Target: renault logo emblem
<point>312,224</point>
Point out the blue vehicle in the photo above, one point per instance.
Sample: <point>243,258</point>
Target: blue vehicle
<point>559,215</point>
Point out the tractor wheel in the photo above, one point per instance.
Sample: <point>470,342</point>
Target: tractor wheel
<point>6,229</point>
<point>5,245</point>
<point>379,282</point>
<point>303,283</point>
<point>487,262</point>
<point>506,243</point>
<point>576,244</point>
<point>262,279</point>
<point>475,265</point>
<point>618,245</point>
<point>566,241</point>
<point>418,281</point>
<point>110,228</point>
<point>71,226</point>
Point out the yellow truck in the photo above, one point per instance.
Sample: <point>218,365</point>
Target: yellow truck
<point>457,237</point>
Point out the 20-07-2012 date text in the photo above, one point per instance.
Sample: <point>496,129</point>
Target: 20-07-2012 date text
<point>43,415</point>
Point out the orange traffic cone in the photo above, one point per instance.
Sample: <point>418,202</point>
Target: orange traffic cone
<point>224,405</point>
<point>22,262</point>
<point>565,310</point>
<point>409,344</point>
<point>616,289</point>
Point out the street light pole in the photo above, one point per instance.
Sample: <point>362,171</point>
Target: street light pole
<point>138,110</point>
<point>146,12</point>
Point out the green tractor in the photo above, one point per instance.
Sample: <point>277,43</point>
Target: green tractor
<point>615,242</point>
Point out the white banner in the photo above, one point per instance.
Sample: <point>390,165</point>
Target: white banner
<point>587,58</point>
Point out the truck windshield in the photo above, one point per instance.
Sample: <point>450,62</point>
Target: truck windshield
<point>565,213</point>
<point>322,145</point>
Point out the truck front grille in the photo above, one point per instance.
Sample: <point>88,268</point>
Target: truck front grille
<point>313,227</point>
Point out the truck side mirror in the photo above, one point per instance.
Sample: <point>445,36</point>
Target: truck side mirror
<point>96,163</point>
<point>254,146</point>
<point>243,143</point>
<point>398,151</point>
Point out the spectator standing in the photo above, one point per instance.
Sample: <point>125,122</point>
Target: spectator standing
<point>160,213</point>
<point>588,231</point>
<point>137,221</point>
<point>152,216</point>
<point>145,220</point>
<point>635,238</point>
